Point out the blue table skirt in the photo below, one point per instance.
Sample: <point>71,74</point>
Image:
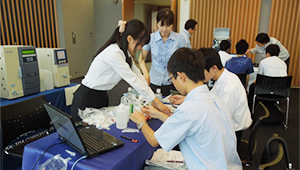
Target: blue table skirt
<point>131,156</point>
<point>56,96</point>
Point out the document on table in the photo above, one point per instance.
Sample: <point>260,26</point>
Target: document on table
<point>168,160</point>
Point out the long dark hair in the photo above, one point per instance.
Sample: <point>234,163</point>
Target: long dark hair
<point>136,29</point>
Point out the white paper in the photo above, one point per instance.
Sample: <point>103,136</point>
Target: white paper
<point>69,94</point>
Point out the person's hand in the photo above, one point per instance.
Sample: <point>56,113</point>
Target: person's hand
<point>147,77</point>
<point>151,111</point>
<point>137,117</point>
<point>248,52</point>
<point>160,106</point>
<point>177,99</point>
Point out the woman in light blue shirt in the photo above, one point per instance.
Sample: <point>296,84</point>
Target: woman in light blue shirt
<point>162,45</point>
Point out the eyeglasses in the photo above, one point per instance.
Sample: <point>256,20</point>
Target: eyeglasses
<point>170,79</point>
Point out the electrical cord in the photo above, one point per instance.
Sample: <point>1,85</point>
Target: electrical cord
<point>46,151</point>
<point>83,157</point>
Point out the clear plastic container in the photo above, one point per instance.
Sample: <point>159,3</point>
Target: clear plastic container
<point>158,94</point>
<point>122,117</point>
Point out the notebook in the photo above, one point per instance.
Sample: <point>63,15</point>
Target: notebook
<point>88,141</point>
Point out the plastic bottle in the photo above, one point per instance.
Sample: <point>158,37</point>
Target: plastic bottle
<point>158,94</point>
<point>122,117</point>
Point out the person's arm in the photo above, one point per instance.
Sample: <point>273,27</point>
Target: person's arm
<point>139,119</point>
<point>142,63</point>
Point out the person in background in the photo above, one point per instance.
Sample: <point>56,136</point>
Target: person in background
<point>200,125</point>
<point>271,66</point>
<point>241,63</point>
<point>112,63</point>
<point>263,40</point>
<point>229,88</point>
<point>189,29</point>
<point>224,46</point>
<point>162,45</point>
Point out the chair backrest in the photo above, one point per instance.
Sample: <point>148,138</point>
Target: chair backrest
<point>252,144</point>
<point>273,85</point>
<point>273,153</point>
<point>243,78</point>
<point>22,117</point>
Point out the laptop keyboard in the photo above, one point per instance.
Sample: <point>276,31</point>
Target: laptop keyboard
<point>92,144</point>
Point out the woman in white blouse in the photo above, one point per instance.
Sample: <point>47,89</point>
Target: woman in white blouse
<point>112,63</point>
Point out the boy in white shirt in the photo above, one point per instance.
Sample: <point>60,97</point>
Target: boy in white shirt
<point>201,124</point>
<point>272,66</point>
<point>229,88</point>
<point>224,46</point>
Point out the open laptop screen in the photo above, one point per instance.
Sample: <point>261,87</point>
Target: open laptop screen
<point>65,127</point>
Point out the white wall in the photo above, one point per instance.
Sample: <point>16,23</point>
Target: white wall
<point>184,13</point>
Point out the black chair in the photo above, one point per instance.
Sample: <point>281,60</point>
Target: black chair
<point>273,153</point>
<point>243,78</point>
<point>247,150</point>
<point>273,89</point>
<point>21,123</point>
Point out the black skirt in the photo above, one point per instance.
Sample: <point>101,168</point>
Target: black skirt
<point>85,97</point>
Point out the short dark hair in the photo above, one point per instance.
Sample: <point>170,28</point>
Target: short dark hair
<point>262,38</point>
<point>188,61</point>
<point>241,46</point>
<point>273,49</point>
<point>190,24</point>
<point>166,16</point>
<point>211,57</point>
<point>224,45</point>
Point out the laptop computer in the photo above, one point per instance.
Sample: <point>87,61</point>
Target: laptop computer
<point>88,141</point>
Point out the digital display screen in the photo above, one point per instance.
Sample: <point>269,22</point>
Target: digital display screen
<point>60,55</point>
<point>28,51</point>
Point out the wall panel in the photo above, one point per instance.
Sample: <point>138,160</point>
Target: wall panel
<point>241,16</point>
<point>284,26</point>
<point>28,22</point>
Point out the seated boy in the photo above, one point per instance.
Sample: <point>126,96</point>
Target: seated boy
<point>241,63</point>
<point>229,88</point>
<point>224,46</point>
<point>271,66</point>
<point>201,125</point>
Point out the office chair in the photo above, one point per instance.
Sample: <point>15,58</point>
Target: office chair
<point>247,149</point>
<point>273,89</point>
<point>21,123</point>
<point>273,153</point>
<point>243,78</point>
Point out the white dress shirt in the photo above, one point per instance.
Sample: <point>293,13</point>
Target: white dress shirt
<point>283,54</point>
<point>230,89</point>
<point>272,66</point>
<point>224,56</point>
<point>186,36</point>
<point>202,127</point>
<point>109,67</point>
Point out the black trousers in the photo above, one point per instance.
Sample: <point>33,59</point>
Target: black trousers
<point>165,89</point>
<point>86,97</point>
<point>238,135</point>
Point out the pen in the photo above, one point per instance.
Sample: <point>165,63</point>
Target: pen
<point>133,140</point>
<point>175,161</point>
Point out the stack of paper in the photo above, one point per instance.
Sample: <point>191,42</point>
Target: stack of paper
<point>167,160</point>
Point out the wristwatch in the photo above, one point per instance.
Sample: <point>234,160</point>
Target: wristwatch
<point>139,126</point>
